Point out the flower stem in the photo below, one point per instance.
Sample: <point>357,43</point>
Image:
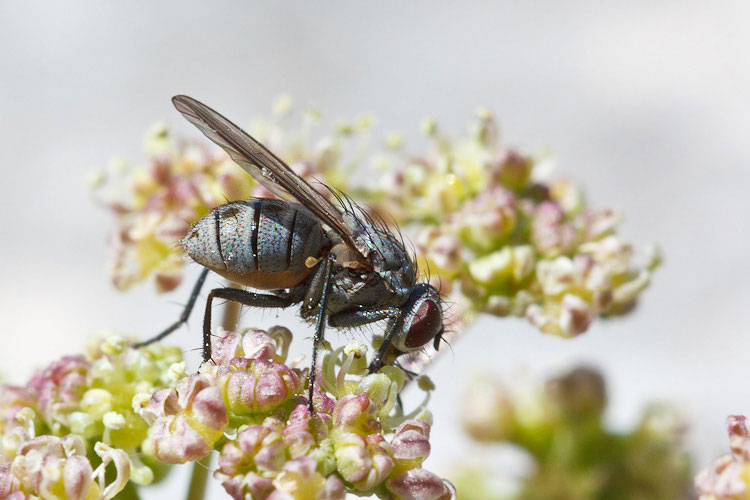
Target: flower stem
<point>199,479</point>
<point>199,475</point>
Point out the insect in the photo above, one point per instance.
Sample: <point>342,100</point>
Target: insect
<point>344,268</point>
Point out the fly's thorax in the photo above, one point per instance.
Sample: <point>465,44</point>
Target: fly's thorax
<point>390,259</point>
<point>388,279</point>
<point>262,242</point>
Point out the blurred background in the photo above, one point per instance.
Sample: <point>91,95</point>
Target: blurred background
<point>647,104</point>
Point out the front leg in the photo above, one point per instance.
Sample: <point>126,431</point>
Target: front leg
<point>324,281</point>
<point>364,316</point>
<point>243,297</point>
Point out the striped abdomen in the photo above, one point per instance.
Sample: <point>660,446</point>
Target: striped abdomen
<point>262,243</point>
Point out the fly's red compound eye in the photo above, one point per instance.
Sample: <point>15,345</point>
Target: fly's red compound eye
<point>427,322</point>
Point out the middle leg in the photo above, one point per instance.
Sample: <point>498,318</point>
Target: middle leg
<point>243,297</point>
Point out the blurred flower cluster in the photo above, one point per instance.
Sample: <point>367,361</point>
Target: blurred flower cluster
<point>486,227</point>
<point>155,205</point>
<point>728,477</point>
<point>131,412</point>
<point>560,426</point>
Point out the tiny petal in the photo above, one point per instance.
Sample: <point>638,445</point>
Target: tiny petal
<point>9,485</point>
<point>77,477</point>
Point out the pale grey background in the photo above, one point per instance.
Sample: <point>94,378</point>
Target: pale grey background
<point>646,103</point>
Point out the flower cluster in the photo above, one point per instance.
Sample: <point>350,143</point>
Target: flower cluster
<point>156,204</point>
<point>728,477</point>
<point>250,406</point>
<point>487,228</point>
<point>62,430</point>
<point>159,202</point>
<point>116,408</point>
<point>560,425</point>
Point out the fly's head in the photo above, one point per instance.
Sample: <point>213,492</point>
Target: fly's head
<point>420,321</point>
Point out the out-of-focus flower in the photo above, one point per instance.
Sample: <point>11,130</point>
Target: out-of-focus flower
<point>728,477</point>
<point>575,456</point>
<point>486,227</point>
<point>181,182</point>
<point>503,241</point>
<point>156,204</point>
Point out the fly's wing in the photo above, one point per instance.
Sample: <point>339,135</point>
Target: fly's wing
<point>264,166</point>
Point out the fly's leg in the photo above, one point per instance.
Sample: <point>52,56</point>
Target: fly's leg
<point>365,316</point>
<point>377,361</point>
<point>185,312</point>
<point>243,297</point>
<point>353,319</point>
<point>320,327</point>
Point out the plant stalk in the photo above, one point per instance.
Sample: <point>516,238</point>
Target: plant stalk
<point>199,475</point>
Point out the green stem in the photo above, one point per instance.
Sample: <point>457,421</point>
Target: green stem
<point>199,475</point>
<point>199,479</point>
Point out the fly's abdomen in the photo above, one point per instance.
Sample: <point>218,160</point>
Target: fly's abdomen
<point>262,243</point>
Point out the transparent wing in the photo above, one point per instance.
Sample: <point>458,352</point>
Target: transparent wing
<point>263,165</point>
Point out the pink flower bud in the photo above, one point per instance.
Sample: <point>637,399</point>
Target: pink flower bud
<point>513,170</point>
<point>303,431</point>
<point>77,477</point>
<point>739,436</point>
<point>259,446</point>
<point>60,387</point>
<point>10,488</point>
<point>550,233</point>
<point>411,442</point>
<point>251,344</point>
<point>420,484</point>
<point>364,462</point>
<point>12,400</point>
<point>487,219</point>
<point>355,413</point>
<point>256,385</point>
<point>249,485</point>
<point>187,421</point>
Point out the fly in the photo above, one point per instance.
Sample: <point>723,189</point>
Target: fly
<point>341,266</point>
